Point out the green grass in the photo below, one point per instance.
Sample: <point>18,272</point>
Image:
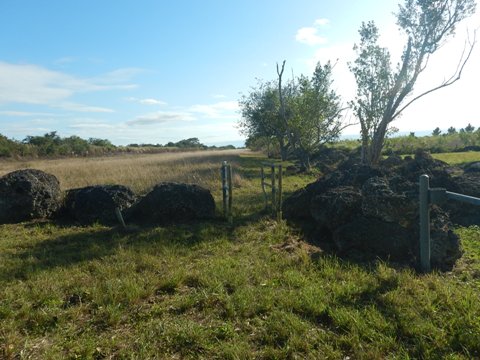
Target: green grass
<point>217,291</point>
<point>458,158</point>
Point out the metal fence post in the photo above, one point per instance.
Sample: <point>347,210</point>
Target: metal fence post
<point>424,223</point>
<point>274,192</point>
<point>230,194</point>
<point>280,191</point>
<point>225,189</point>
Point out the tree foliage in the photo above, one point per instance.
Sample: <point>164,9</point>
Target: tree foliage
<point>300,114</point>
<point>383,93</point>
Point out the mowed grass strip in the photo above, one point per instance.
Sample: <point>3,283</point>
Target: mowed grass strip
<point>210,290</point>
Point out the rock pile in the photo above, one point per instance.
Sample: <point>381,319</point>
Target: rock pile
<point>33,194</point>
<point>364,212</point>
<point>173,202</point>
<point>28,194</point>
<point>97,203</point>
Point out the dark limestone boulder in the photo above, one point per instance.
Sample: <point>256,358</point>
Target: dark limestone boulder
<point>392,161</point>
<point>381,202</point>
<point>28,194</point>
<point>368,238</point>
<point>173,202</point>
<point>336,206</point>
<point>445,245</point>
<point>97,203</point>
<point>463,213</point>
<point>440,173</point>
<point>472,167</point>
<point>365,212</point>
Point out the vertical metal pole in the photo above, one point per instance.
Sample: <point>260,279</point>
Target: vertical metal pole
<point>225,189</point>
<point>230,194</point>
<point>263,188</point>
<point>274,200</point>
<point>118,213</point>
<point>280,191</point>
<point>424,224</point>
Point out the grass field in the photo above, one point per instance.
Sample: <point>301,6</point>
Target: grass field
<point>212,290</point>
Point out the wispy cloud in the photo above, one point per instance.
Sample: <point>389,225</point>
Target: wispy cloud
<point>322,22</point>
<point>223,109</point>
<point>82,108</point>
<point>33,84</point>
<point>91,125</point>
<point>160,118</point>
<point>26,113</point>
<point>310,35</point>
<point>148,101</point>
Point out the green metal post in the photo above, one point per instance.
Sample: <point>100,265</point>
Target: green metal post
<point>225,189</point>
<point>262,172</point>
<point>424,223</point>
<point>230,194</point>
<point>280,191</point>
<point>274,192</point>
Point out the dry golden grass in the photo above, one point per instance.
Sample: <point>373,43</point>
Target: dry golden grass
<point>140,172</point>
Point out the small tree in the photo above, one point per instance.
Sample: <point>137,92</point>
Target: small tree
<point>469,128</point>
<point>436,132</point>
<point>382,94</point>
<point>300,114</point>
<point>315,113</point>
<point>451,130</point>
<point>260,111</point>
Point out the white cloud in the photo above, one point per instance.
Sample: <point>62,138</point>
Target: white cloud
<point>219,96</point>
<point>93,125</point>
<point>160,118</point>
<point>223,109</point>
<point>322,22</point>
<point>152,102</point>
<point>309,35</point>
<point>25,113</point>
<point>82,108</point>
<point>148,101</point>
<point>32,84</point>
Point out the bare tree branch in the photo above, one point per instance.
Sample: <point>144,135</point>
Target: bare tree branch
<point>453,79</point>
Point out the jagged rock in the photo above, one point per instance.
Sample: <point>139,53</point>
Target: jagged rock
<point>97,203</point>
<point>445,245</point>
<point>381,202</point>
<point>28,194</point>
<point>369,238</point>
<point>472,167</point>
<point>392,161</point>
<point>173,202</point>
<point>336,206</point>
<point>370,212</point>
<point>463,213</point>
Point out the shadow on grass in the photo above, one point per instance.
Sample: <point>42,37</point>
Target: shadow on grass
<point>82,244</point>
<point>95,242</point>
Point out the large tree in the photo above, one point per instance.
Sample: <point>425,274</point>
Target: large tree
<point>383,93</point>
<point>314,112</point>
<point>301,114</point>
<point>260,111</point>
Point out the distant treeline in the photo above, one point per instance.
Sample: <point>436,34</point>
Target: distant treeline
<point>52,145</point>
<point>465,139</point>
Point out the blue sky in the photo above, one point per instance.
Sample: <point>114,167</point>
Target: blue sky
<point>158,71</point>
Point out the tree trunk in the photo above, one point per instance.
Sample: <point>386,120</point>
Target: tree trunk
<point>377,142</point>
<point>283,149</point>
<point>305,161</point>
